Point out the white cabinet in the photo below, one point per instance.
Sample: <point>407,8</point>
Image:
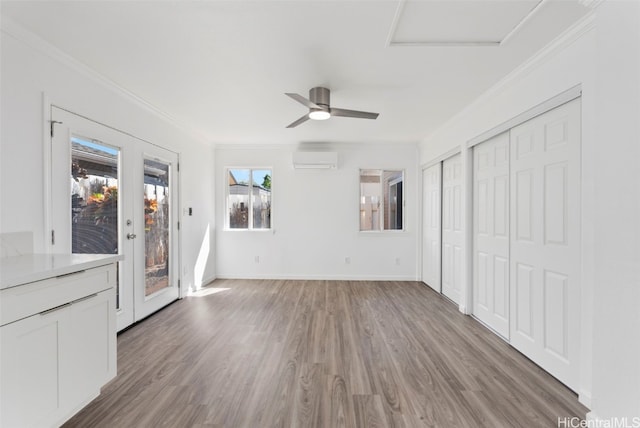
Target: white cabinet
<point>87,347</point>
<point>55,359</point>
<point>30,363</point>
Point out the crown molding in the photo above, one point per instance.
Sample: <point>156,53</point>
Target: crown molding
<point>560,43</point>
<point>16,31</point>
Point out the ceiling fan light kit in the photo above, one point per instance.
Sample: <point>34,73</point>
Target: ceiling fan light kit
<point>320,107</point>
<point>315,114</point>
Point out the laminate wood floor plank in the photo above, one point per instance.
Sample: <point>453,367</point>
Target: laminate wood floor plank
<point>285,353</point>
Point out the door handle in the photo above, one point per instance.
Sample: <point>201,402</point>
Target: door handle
<point>131,236</point>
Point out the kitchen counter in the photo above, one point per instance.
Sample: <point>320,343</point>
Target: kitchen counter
<point>19,270</point>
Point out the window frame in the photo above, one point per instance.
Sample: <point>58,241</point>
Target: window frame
<point>382,214</point>
<point>249,228</point>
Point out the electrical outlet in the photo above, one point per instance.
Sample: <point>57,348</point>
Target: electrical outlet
<point>257,259</point>
<point>397,261</point>
<point>347,260</point>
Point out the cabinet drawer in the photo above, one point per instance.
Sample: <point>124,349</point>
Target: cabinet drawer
<point>25,300</point>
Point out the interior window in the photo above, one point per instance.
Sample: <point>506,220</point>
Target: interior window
<point>381,200</point>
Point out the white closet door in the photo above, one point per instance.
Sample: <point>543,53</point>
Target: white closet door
<point>491,233</point>
<point>431,240</point>
<point>452,237</point>
<point>545,240</point>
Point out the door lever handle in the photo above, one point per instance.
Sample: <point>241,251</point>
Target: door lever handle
<point>131,236</point>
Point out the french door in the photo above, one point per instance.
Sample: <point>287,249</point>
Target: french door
<point>112,193</point>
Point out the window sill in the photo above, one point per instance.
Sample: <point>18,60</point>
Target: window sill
<point>228,229</point>
<point>382,232</point>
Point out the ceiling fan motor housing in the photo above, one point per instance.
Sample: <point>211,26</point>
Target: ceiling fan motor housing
<point>320,96</point>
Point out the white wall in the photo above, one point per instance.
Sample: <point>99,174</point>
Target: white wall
<point>601,54</point>
<point>26,73</point>
<point>316,218</point>
<point>616,357</point>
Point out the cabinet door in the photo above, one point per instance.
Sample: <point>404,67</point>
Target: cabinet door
<point>87,349</point>
<point>29,351</point>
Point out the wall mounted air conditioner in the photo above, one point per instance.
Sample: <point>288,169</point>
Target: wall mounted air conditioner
<point>315,160</point>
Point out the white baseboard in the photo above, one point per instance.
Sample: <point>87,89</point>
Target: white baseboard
<point>195,288</point>
<point>207,281</point>
<point>584,397</point>
<point>319,277</point>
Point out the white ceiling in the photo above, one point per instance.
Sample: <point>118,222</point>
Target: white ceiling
<point>221,68</point>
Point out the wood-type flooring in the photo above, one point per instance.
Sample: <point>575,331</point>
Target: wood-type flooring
<point>286,353</point>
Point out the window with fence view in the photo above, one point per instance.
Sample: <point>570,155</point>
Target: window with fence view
<point>249,198</point>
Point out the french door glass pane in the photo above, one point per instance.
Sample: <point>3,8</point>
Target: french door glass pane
<point>94,199</point>
<point>157,225</point>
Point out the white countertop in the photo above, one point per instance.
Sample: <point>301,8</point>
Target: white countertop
<point>20,270</point>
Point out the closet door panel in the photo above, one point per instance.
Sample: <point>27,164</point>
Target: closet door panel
<point>431,227</point>
<point>491,266</point>
<point>545,245</point>
<point>452,235</point>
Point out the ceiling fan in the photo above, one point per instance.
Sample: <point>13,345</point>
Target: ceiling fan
<point>320,109</point>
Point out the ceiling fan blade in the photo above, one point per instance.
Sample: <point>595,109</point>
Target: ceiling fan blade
<point>302,100</point>
<point>353,113</point>
<point>299,121</point>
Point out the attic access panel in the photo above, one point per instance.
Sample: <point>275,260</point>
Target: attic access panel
<point>459,22</point>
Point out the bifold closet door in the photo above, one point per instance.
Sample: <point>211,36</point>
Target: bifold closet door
<point>491,233</point>
<point>431,229</point>
<point>452,237</point>
<point>545,240</point>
